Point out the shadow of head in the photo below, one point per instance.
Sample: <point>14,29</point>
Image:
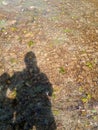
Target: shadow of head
<point>30,60</point>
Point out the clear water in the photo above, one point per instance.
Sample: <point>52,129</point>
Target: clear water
<point>22,5</point>
<point>23,9</point>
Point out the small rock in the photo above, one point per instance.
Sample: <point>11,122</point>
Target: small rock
<point>12,22</point>
<point>96,13</point>
<point>4,2</point>
<point>96,107</point>
<point>5,33</point>
<point>32,7</point>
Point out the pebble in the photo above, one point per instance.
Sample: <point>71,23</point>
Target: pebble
<point>95,107</point>
<point>12,22</point>
<point>96,13</point>
<point>5,33</point>
<point>32,7</point>
<point>4,2</point>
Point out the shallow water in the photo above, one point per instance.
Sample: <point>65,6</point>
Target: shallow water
<point>23,10</point>
<point>24,5</point>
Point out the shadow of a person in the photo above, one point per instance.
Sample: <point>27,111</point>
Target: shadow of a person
<point>6,111</point>
<point>32,106</point>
